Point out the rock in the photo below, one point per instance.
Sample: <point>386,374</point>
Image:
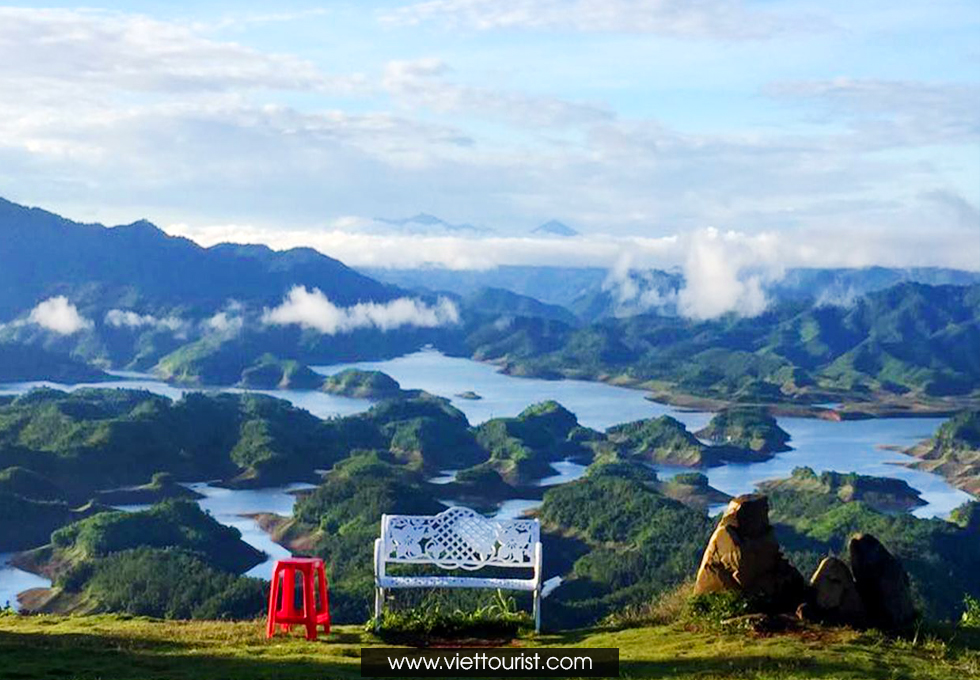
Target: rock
<point>834,594</point>
<point>882,583</point>
<point>744,556</point>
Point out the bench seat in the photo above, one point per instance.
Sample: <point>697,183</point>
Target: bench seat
<point>527,585</point>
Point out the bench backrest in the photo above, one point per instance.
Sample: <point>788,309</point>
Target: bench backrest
<point>459,538</point>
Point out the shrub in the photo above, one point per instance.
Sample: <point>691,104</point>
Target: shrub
<point>717,607</point>
<point>971,613</point>
<point>497,618</point>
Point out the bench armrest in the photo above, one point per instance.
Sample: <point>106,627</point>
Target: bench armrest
<point>538,556</point>
<point>379,562</point>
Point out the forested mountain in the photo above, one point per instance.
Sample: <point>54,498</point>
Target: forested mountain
<point>138,266</point>
<point>911,337</point>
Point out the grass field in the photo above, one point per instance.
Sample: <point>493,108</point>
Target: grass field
<point>111,647</point>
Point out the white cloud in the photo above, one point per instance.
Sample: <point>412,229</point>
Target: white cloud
<point>886,113</point>
<point>421,83</point>
<point>727,272</point>
<point>836,297</point>
<point>125,318</point>
<point>160,109</point>
<point>637,291</point>
<point>838,244</point>
<point>225,323</point>
<point>312,309</point>
<point>716,19</point>
<point>100,49</point>
<point>57,314</point>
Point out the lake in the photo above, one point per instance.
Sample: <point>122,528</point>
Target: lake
<point>849,446</point>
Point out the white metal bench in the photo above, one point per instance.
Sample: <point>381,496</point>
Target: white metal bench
<point>458,538</point>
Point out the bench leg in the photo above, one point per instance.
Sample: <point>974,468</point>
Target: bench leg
<point>537,610</point>
<point>379,604</point>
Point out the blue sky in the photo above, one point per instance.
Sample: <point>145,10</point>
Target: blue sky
<point>845,132</point>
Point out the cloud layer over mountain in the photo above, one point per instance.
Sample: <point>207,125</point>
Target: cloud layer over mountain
<point>312,309</point>
<point>57,314</point>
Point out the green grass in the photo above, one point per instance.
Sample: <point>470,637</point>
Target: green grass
<point>113,647</point>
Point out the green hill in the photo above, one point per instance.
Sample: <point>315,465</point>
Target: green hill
<point>88,440</point>
<point>27,362</point>
<point>954,452</point>
<point>154,562</point>
<point>522,448</point>
<point>911,339</point>
<point>353,382</point>
<point>665,440</point>
<point>750,428</point>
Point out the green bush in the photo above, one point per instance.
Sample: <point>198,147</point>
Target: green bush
<point>497,618</point>
<point>717,607</point>
<point>971,613</point>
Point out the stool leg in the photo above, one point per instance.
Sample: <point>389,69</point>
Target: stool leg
<point>270,626</point>
<point>324,607</point>
<point>288,607</point>
<point>309,604</point>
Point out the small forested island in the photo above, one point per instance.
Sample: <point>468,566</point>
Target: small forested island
<point>83,442</point>
<point>353,382</point>
<point>954,452</point>
<point>171,560</point>
<point>469,395</point>
<point>270,372</point>
<point>748,428</point>
<point>884,494</point>
<point>522,448</point>
<point>161,487</point>
<point>666,440</point>
<point>210,363</point>
<point>690,488</point>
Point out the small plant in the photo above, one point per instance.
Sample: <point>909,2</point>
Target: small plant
<point>496,619</point>
<point>717,607</point>
<point>971,613</point>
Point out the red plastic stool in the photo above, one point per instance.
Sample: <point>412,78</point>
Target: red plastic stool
<point>282,596</point>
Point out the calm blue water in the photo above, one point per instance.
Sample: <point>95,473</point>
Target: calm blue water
<point>852,446</point>
<point>13,581</point>
<point>597,405</point>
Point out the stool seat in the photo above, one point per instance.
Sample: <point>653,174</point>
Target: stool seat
<point>315,608</point>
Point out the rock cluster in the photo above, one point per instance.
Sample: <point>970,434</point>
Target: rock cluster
<point>744,556</point>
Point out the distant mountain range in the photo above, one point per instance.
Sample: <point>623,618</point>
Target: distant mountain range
<point>424,223</point>
<point>133,297</point>
<point>554,228</point>
<point>591,293</point>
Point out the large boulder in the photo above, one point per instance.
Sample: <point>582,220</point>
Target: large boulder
<point>834,596</point>
<point>882,583</point>
<point>743,556</point>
